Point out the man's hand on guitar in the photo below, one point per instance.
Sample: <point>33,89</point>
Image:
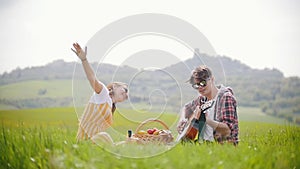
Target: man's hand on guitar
<point>197,112</point>
<point>181,126</point>
<point>221,129</point>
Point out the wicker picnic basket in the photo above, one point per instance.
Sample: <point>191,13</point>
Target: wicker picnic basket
<point>164,136</point>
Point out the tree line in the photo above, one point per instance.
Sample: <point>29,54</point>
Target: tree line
<point>267,88</point>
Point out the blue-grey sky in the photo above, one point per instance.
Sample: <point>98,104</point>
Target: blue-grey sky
<point>259,33</point>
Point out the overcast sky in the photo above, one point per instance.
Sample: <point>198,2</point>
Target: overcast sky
<point>261,34</point>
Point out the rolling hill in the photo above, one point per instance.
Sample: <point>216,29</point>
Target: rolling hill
<point>61,83</point>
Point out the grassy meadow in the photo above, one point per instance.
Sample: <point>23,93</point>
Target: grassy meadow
<point>45,138</point>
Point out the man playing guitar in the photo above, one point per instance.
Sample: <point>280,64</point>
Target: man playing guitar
<point>192,124</point>
<point>215,107</point>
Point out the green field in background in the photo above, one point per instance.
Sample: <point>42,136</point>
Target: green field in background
<point>45,138</point>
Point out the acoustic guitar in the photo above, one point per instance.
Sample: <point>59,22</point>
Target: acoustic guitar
<point>192,125</point>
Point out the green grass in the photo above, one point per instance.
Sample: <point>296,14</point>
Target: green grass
<point>45,138</point>
<point>39,117</point>
<point>30,89</point>
<point>255,114</point>
<point>55,89</point>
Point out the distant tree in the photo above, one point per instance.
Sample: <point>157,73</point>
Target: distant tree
<point>42,91</point>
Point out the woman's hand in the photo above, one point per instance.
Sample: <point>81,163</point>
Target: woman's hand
<point>79,52</point>
<point>87,68</point>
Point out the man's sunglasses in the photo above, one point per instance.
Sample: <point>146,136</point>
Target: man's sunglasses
<point>202,83</point>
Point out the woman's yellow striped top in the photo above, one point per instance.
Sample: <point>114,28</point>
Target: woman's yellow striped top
<point>97,115</point>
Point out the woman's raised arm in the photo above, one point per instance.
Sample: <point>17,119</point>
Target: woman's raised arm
<point>87,67</point>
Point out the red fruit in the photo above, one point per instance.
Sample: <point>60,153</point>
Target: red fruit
<point>150,131</point>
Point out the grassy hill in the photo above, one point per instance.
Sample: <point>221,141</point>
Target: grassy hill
<point>60,84</point>
<point>37,93</point>
<point>37,89</point>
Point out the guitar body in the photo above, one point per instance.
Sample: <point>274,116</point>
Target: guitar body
<point>192,130</point>
<point>192,133</point>
<point>193,126</point>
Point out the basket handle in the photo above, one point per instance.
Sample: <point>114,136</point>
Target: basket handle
<point>151,120</point>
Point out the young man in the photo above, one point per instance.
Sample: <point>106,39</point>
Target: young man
<point>221,116</point>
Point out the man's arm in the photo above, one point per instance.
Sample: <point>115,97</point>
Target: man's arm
<point>219,127</point>
<point>228,116</point>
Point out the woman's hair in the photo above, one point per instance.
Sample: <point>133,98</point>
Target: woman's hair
<point>201,72</point>
<point>110,88</point>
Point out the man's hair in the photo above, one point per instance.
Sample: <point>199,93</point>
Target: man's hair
<point>199,73</point>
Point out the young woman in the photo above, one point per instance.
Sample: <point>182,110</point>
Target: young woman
<point>97,116</point>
